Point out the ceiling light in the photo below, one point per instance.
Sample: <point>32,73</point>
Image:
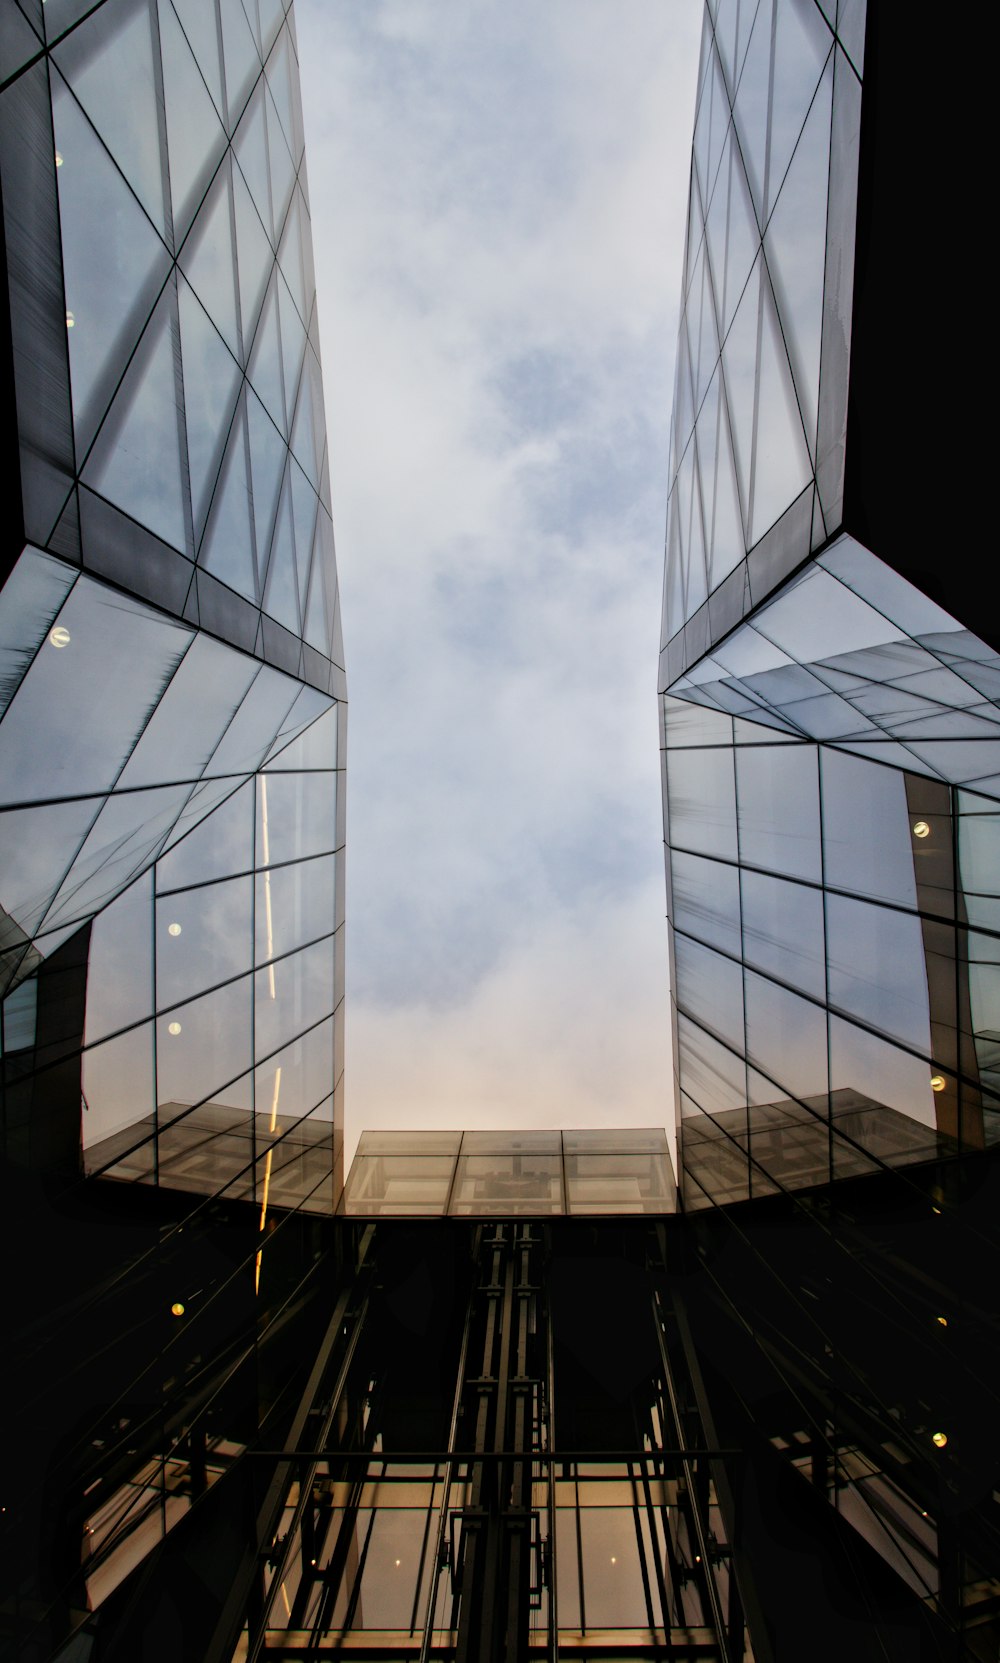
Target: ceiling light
<point>921,828</point>
<point>70,320</point>
<point>58,159</point>
<point>176,1309</point>
<point>938,1082</point>
<point>943,1321</point>
<point>173,929</point>
<point>59,636</point>
<point>939,1438</point>
<point>173,1028</point>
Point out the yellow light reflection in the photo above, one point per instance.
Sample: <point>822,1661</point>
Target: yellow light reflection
<point>939,1438</point>
<point>267,881</point>
<point>267,1174</point>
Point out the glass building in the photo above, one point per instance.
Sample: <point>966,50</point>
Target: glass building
<point>501,1396</point>
<point>830,701</point>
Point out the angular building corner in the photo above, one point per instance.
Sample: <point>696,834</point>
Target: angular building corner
<point>830,701</point>
<point>172,742</point>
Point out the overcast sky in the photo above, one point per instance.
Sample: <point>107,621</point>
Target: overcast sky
<point>498,192</point>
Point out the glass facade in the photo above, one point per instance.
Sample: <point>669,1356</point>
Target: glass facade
<point>172,742</point>
<point>830,732</point>
<point>509,1175</point>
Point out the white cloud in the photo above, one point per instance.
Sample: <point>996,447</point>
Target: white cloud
<point>498,195</point>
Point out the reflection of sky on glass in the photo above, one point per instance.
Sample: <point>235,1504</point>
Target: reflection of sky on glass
<point>498,197</point>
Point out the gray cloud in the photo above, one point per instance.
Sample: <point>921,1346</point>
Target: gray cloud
<point>498,195</point>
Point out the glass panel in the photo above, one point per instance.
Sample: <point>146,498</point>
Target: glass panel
<point>507,1184</point>
<point>398,1184</point>
<point>295,904</point>
<point>612,1576</point>
<point>36,847</point>
<point>409,1143</point>
<point>267,456</point>
<point>198,21</point>
<point>221,844</point>
<point>110,68</point>
<point>203,1046</point>
<point>781,460</point>
<point>209,261</point>
<point>296,1080</point>
<point>120,962</point>
<point>292,995</point>
<point>195,137</point>
<point>255,256</point>
<point>113,262</point>
<point>227,551</point>
<point>868,843</point>
<point>296,816</point>
<point>29,602</point>
<point>90,691</point>
<point>702,801</point>
<point>211,383</point>
<point>783,777</point>
<point>710,989</point>
<point>706,900</point>
<point>877,968</point>
<point>136,460</point>
<point>783,931</point>
<point>504,1142</point>
<point>118,1093</point>
<point>803,44</point>
<point>621,1183</point>
<point>240,54</point>
<point>250,147</point>
<point>281,595</point>
<point>192,714</point>
<point>870,1070</point>
<point>202,937</point>
<point>713,1076</point>
<point>786,1037</point>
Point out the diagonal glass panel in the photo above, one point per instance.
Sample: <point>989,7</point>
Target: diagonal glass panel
<point>250,148</point>
<point>36,847</point>
<point>209,261</point>
<point>218,845</point>
<point>29,602</point>
<point>198,22</point>
<point>195,137</point>
<point>293,342</point>
<point>290,258</point>
<point>211,386</point>
<point>136,459</point>
<point>227,551</point>
<point>304,429</point>
<point>192,715</point>
<point>802,46</point>
<point>114,264</point>
<point>240,54</point>
<point>280,595</point>
<point>256,256</point>
<point>739,361</point>
<point>728,547</point>
<point>281,165</point>
<point>742,243</point>
<point>752,96</point>
<point>110,69</point>
<point>114,656</point>
<point>304,506</point>
<point>281,80</point>
<point>125,839</point>
<point>271,18</point>
<point>782,466</point>
<point>319,612</point>
<point>795,246</point>
<point>267,458</point>
<point>265,367</point>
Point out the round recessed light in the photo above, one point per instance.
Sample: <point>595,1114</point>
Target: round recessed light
<point>59,636</point>
<point>397,1563</point>
<point>173,1028</point>
<point>173,929</point>
<point>176,1309</point>
<point>921,828</point>
<point>939,1438</point>
<point>70,320</point>
<point>58,159</point>
<point>938,1082</point>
